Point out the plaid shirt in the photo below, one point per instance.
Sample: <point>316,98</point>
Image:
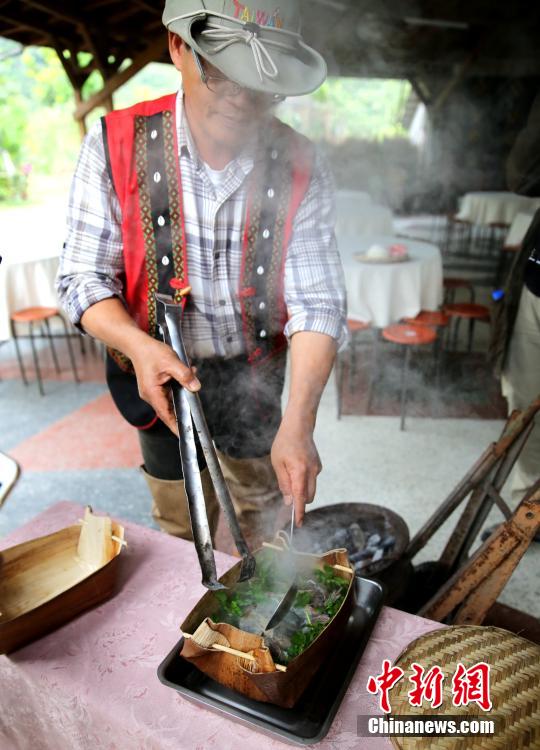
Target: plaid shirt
<point>92,265</point>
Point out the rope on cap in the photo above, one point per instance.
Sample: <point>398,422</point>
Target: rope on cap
<point>224,37</point>
<point>249,34</point>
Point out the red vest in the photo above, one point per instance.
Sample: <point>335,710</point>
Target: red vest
<point>142,155</point>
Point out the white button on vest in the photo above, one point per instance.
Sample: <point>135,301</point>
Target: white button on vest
<point>260,270</point>
<point>262,306</point>
<point>270,193</point>
<point>274,154</point>
<point>157,177</point>
<point>153,135</point>
<point>165,260</point>
<point>266,234</point>
<point>262,334</point>
<point>161,221</point>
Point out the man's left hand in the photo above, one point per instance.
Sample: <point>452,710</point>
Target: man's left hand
<point>296,462</point>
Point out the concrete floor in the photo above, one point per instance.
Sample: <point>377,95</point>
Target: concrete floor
<point>365,459</point>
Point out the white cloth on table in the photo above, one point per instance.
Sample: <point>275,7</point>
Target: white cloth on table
<point>383,293</point>
<point>497,207</point>
<point>518,230</point>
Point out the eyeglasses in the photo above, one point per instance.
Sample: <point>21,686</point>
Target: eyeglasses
<point>224,87</point>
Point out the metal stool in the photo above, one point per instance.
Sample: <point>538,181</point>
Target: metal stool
<point>433,319</point>
<point>408,336</point>
<point>355,327</point>
<point>467,311</point>
<point>41,315</point>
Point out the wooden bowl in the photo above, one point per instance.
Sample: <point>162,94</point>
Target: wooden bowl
<point>47,581</point>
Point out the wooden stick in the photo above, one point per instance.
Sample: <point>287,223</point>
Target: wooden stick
<point>280,549</point>
<point>343,568</point>
<point>272,546</point>
<point>234,652</point>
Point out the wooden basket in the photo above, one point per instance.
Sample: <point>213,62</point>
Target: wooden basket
<point>251,670</point>
<point>46,582</point>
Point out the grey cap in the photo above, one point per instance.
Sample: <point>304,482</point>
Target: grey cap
<point>259,45</point>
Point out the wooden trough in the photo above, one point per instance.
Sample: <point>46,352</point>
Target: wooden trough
<point>47,581</point>
<point>242,661</point>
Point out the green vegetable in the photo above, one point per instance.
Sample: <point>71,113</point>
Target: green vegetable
<point>233,605</point>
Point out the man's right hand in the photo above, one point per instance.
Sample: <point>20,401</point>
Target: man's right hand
<point>156,365</point>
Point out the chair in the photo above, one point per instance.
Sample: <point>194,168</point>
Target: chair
<point>408,336</point>
<point>452,284</point>
<point>41,316</point>
<point>467,311</point>
<point>458,237</point>
<point>355,327</point>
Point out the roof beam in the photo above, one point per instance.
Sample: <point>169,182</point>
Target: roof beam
<point>148,55</point>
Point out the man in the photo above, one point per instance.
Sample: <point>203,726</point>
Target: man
<point>515,346</point>
<point>207,190</point>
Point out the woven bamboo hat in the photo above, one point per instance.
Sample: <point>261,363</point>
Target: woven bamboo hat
<point>258,46</point>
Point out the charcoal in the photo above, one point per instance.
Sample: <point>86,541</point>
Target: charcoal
<point>388,542</point>
<point>361,564</point>
<point>374,540</point>
<point>339,539</point>
<point>363,554</point>
<point>379,554</point>
<point>356,536</point>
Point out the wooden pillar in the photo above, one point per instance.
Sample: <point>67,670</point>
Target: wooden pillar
<point>81,119</point>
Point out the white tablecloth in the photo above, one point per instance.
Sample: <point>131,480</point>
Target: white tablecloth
<point>383,293</point>
<point>495,207</point>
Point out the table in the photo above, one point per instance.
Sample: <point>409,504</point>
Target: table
<point>383,293</point>
<point>495,207</point>
<point>93,683</point>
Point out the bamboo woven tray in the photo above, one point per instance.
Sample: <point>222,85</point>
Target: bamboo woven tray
<point>514,681</point>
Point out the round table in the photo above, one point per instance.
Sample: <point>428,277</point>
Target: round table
<point>496,207</point>
<point>383,293</point>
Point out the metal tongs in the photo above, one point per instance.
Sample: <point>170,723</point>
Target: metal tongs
<point>189,413</point>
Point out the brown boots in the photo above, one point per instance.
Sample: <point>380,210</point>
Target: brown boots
<point>170,508</point>
<point>254,491</point>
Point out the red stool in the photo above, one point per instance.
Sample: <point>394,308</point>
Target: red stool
<point>431,318</point>
<point>467,311</point>
<point>355,327</point>
<point>41,315</point>
<point>408,336</point>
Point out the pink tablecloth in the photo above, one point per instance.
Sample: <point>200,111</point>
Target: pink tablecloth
<point>92,683</point>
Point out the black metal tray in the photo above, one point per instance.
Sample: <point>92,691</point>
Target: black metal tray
<point>309,721</point>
